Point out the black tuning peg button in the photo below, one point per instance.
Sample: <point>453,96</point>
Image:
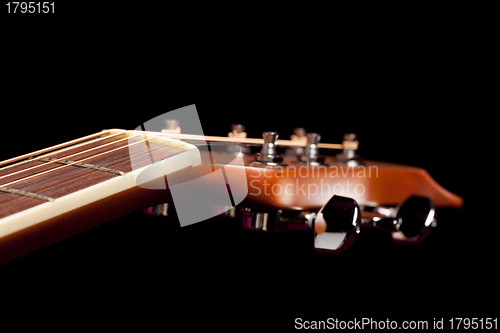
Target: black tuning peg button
<point>339,221</point>
<point>410,223</point>
<point>415,214</point>
<point>336,225</point>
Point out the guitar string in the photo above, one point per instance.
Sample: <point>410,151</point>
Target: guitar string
<point>112,160</point>
<point>87,158</point>
<point>78,161</point>
<point>50,154</point>
<point>74,162</point>
<point>39,174</point>
<point>41,151</point>
<point>60,151</point>
<point>282,143</point>
<point>31,159</point>
<point>65,157</point>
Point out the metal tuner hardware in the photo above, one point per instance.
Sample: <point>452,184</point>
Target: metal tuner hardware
<point>269,153</point>
<point>299,135</point>
<point>349,155</point>
<point>337,224</point>
<point>311,152</point>
<point>171,126</point>
<point>341,219</point>
<point>160,210</point>
<point>277,220</point>
<point>238,131</point>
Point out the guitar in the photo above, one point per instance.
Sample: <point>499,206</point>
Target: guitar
<point>271,184</point>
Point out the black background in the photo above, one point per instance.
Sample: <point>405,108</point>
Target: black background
<point>412,99</point>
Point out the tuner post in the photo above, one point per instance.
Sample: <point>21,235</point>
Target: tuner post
<point>311,152</point>
<point>269,152</point>
<point>299,135</point>
<point>238,131</point>
<point>277,220</point>
<point>349,155</point>
<point>171,126</point>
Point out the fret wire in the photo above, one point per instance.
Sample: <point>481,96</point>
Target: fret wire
<point>66,165</point>
<point>88,166</point>
<point>26,194</point>
<point>42,197</point>
<point>30,159</point>
<point>78,169</point>
<point>63,158</point>
<point>97,166</point>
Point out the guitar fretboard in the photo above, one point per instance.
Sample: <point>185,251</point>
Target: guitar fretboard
<point>54,174</point>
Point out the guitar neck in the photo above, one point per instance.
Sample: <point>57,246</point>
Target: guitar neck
<point>61,191</point>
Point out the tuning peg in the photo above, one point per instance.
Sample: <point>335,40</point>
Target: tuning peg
<point>299,135</point>
<point>336,225</point>
<point>311,152</point>
<point>171,126</point>
<point>238,131</point>
<point>348,155</point>
<point>339,221</point>
<point>164,209</point>
<point>417,219</point>
<point>262,220</point>
<point>269,152</point>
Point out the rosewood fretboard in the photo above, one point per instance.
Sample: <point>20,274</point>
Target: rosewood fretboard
<point>52,181</point>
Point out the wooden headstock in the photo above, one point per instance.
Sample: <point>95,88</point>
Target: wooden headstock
<point>270,183</point>
<point>291,182</point>
<point>295,182</point>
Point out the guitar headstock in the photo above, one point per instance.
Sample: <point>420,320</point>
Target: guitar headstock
<point>329,189</point>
